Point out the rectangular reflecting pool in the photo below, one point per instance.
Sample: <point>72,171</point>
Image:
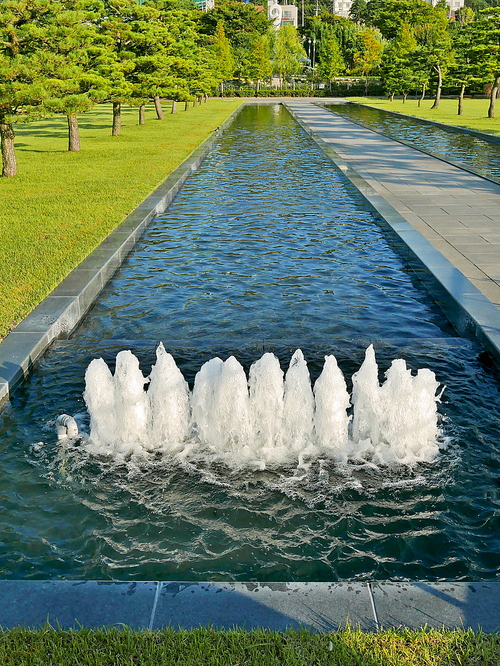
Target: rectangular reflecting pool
<point>266,249</point>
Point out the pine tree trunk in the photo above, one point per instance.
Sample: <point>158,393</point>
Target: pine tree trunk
<point>73,133</point>
<point>142,114</point>
<point>159,110</point>
<point>461,100</point>
<point>423,94</point>
<point>438,89</point>
<point>174,107</point>
<point>194,102</point>
<point>493,98</point>
<point>117,119</point>
<point>9,168</point>
<point>186,106</point>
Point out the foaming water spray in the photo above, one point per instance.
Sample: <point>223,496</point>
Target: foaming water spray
<point>269,418</point>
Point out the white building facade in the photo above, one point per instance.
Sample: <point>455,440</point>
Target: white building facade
<point>282,14</point>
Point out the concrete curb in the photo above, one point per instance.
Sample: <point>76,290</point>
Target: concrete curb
<point>62,310</point>
<point>320,607</point>
<point>462,302</point>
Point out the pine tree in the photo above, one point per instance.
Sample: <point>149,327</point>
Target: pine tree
<point>72,38</point>
<point>24,67</point>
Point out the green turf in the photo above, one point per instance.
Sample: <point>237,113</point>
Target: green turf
<point>475,114</point>
<point>61,205</point>
<point>205,646</point>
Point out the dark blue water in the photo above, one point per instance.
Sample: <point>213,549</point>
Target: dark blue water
<point>266,248</point>
<point>475,153</point>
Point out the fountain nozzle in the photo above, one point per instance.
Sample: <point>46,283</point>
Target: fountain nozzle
<point>66,426</point>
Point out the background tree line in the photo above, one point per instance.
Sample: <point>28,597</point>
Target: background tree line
<point>64,56</point>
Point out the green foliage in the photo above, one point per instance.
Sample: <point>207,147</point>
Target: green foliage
<point>243,23</point>
<point>397,67</point>
<point>223,52</point>
<point>331,62</point>
<point>346,32</point>
<point>369,54</point>
<point>258,65</point>
<point>390,15</point>
<point>357,12</point>
<point>289,55</point>
<point>24,63</point>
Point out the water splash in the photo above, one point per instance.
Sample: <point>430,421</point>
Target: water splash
<point>269,418</point>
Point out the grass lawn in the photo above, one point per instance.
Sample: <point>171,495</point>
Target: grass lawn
<point>475,115</point>
<point>204,646</point>
<point>61,205</point>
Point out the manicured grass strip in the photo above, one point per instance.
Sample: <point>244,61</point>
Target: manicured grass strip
<point>205,646</point>
<point>62,205</point>
<point>474,116</point>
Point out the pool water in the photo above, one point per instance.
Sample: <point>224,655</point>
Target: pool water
<point>266,248</point>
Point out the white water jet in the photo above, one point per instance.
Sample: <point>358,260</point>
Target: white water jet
<point>332,401</point>
<point>266,419</point>
<point>221,409</point>
<point>267,401</point>
<point>169,409</point>
<point>299,403</point>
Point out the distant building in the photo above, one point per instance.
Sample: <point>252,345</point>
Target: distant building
<point>282,14</point>
<point>205,5</point>
<point>343,7</point>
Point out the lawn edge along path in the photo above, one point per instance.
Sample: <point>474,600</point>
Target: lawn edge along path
<point>62,205</point>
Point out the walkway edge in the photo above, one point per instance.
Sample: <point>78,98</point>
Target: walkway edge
<point>62,310</point>
<point>315,606</point>
<point>463,304</point>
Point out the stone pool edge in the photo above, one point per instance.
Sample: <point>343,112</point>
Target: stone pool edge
<point>62,310</point>
<point>314,606</point>
<point>470,311</point>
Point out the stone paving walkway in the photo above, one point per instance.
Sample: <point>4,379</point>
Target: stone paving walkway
<point>456,211</point>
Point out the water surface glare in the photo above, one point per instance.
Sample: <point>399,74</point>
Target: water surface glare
<point>266,248</point>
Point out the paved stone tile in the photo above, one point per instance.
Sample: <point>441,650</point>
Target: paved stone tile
<point>438,605</point>
<point>320,606</point>
<point>71,604</point>
<point>489,288</point>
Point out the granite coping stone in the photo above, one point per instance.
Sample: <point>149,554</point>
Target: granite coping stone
<point>313,606</point>
<point>438,605</point>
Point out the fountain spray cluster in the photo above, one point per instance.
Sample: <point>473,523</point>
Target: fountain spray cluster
<point>269,417</point>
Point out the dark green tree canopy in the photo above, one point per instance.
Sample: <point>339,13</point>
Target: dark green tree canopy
<point>242,22</point>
